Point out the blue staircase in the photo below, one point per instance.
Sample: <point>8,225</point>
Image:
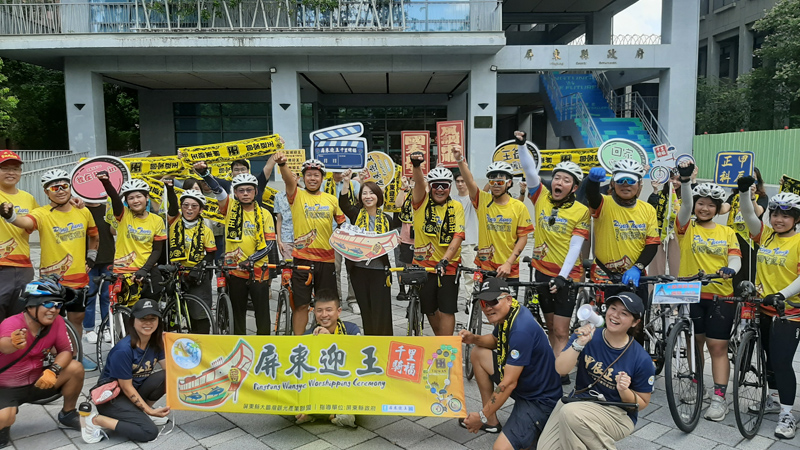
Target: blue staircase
<point>608,126</point>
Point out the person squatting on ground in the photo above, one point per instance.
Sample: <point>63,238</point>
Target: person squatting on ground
<point>611,364</point>
<point>777,282</point>
<point>712,248</point>
<point>132,364</point>
<point>439,231</point>
<point>515,359</point>
<point>25,339</point>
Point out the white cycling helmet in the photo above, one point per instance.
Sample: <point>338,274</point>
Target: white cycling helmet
<point>134,185</point>
<point>194,194</point>
<point>571,168</point>
<point>439,174</point>
<point>54,175</point>
<point>627,167</point>
<point>500,167</point>
<point>313,164</point>
<point>242,179</point>
<point>710,190</point>
<point>785,201</point>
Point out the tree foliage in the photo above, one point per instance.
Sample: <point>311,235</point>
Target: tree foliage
<point>7,102</point>
<point>722,107</point>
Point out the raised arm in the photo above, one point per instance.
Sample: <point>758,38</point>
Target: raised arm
<point>527,162</point>
<point>222,197</point>
<point>685,169</point>
<point>24,222</point>
<point>117,207</point>
<point>593,196</point>
<point>418,193</point>
<point>173,207</point>
<point>751,220</point>
<point>286,173</point>
<point>469,180</point>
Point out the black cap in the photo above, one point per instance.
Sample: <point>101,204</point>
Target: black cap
<point>145,307</point>
<point>632,302</point>
<point>492,288</point>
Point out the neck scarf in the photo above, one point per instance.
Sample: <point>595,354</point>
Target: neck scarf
<point>234,229</point>
<point>340,328</point>
<point>177,244</point>
<point>566,203</point>
<point>502,336</point>
<point>448,227</point>
<point>622,202</point>
<point>381,223</point>
<point>407,210</point>
<point>330,188</point>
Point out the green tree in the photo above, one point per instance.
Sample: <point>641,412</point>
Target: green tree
<point>7,102</point>
<point>722,107</point>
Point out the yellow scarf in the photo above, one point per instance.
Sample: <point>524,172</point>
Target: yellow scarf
<point>446,231</point>
<point>234,229</point>
<point>177,245</point>
<point>381,223</point>
<point>340,328</point>
<point>503,332</point>
<point>407,210</point>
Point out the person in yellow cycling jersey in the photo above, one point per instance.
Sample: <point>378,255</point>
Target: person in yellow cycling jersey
<point>313,214</point>
<point>712,248</point>
<point>69,240</point>
<point>778,283</point>
<point>562,225</point>
<point>438,231</point>
<point>191,244</point>
<point>504,223</point>
<point>140,234</point>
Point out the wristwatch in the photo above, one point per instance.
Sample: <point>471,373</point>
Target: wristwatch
<point>639,266</point>
<point>484,420</point>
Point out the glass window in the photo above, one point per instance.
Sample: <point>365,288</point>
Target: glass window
<point>246,109</point>
<point>211,123</point>
<point>197,124</point>
<point>245,123</point>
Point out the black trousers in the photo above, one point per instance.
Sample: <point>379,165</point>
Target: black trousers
<point>258,291</point>
<point>374,298</point>
<point>134,423</point>
<point>780,339</point>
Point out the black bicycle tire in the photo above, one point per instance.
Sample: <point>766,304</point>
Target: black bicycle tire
<point>474,328</point>
<point>115,337</point>
<point>744,351</point>
<point>281,309</point>
<point>77,355</point>
<point>672,340</point>
<point>288,327</point>
<point>656,348</point>
<point>172,306</point>
<point>224,315</point>
<point>414,314</point>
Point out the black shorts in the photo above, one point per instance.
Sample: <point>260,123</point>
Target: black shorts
<point>527,419</point>
<point>559,304</point>
<point>714,323</point>
<point>79,304</point>
<point>406,253</point>
<point>16,396</point>
<point>324,277</point>
<point>433,297</point>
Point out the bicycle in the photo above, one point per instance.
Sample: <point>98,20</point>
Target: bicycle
<point>224,310</point>
<point>285,306</point>
<point>175,304</point>
<point>413,277</point>
<point>474,321</point>
<point>749,367</point>
<point>121,299</point>
<point>531,297</point>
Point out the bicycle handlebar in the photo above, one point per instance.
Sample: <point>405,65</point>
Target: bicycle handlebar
<point>485,273</point>
<point>410,269</point>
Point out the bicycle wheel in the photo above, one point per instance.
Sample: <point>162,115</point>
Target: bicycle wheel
<point>749,385</point>
<point>283,317</point>
<point>115,323</point>
<point>177,319</point>
<point>684,394</point>
<point>654,339</point>
<point>414,313</point>
<point>224,314</point>
<point>475,324</point>
<point>77,355</point>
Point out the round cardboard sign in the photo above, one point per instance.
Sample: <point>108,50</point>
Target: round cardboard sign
<point>659,174</point>
<point>507,152</point>
<point>87,187</point>
<point>380,167</point>
<point>617,149</point>
<point>684,157</point>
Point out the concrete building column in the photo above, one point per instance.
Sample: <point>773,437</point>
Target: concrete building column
<point>746,42</point>
<point>678,84</point>
<point>599,28</point>
<point>712,60</point>
<point>86,114</point>
<point>286,119</point>
<point>482,92</point>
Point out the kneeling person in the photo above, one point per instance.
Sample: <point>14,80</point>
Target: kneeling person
<point>516,358</point>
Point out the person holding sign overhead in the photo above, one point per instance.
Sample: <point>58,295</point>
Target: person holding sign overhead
<point>562,225</point>
<point>313,215</point>
<point>712,248</point>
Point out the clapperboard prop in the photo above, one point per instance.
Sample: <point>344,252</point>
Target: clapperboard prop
<point>731,166</point>
<point>340,147</point>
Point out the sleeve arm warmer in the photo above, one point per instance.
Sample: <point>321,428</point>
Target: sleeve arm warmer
<point>593,194</point>
<point>529,167</point>
<point>792,289</point>
<point>575,245</point>
<point>172,199</point>
<point>648,254</point>
<point>685,213</point>
<point>116,202</point>
<point>735,262</point>
<point>749,215</point>
<point>158,247</point>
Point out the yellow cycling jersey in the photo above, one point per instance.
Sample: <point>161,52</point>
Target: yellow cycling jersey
<point>552,241</point>
<point>499,226</point>
<point>63,237</point>
<point>777,266</point>
<point>15,250</point>
<point>622,232</point>
<point>428,248</point>
<point>707,249</point>
<point>188,238</point>
<point>313,216</point>
<point>236,252</point>
<point>135,237</point>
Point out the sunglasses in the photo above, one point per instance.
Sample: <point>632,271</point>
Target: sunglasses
<point>57,305</point>
<point>498,182</point>
<point>58,187</point>
<point>552,219</point>
<point>440,186</point>
<point>628,181</point>
<point>492,303</point>
<point>782,206</point>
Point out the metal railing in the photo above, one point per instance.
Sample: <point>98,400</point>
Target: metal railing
<point>31,181</point>
<point>54,161</point>
<point>248,15</point>
<point>624,39</point>
<point>632,104</point>
<point>572,107</point>
<point>30,155</point>
<point>127,154</point>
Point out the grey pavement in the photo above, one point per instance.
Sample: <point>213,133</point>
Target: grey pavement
<point>36,427</point>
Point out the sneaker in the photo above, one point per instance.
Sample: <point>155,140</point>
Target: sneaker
<point>159,421</point>
<point>771,406</point>
<point>91,337</point>
<point>106,336</point>
<point>402,297</point>
<point>90,432</point>
<point>5,437</point>
<point>88,364</point>
<point>344,420</point>
<point>786,426</point>
<point>718,409</point>
<point>70,419</point>
<point>355,308</point>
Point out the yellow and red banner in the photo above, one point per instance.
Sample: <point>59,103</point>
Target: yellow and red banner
<point>326,374</point>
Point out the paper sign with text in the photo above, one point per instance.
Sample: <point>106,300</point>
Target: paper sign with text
<point>413,142</point>
<point>448,135</point>
<point>731,166</point>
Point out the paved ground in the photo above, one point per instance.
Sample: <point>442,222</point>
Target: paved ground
<point>36,427</point>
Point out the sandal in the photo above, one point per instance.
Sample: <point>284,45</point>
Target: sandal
<point>491,429</point>
<point>304,418</point>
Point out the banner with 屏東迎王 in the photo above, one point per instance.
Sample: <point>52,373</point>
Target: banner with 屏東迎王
<point>325,374</point>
